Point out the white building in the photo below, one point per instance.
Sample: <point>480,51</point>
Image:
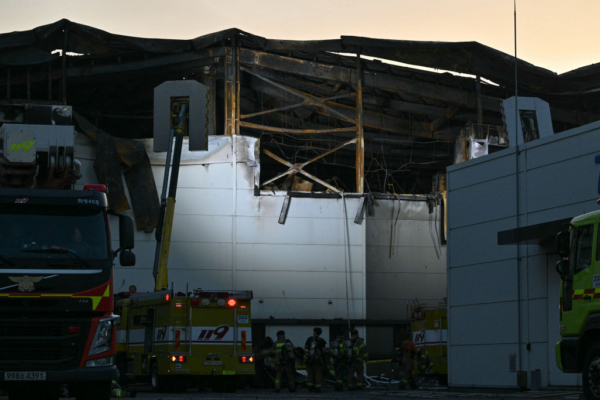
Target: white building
<point>504,315</point>
<point>316,269</point>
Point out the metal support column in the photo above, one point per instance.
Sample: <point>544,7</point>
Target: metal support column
<point>231,89</point>
<point>360,143</point>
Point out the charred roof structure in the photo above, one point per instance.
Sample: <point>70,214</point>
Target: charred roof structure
<point>342,113</point>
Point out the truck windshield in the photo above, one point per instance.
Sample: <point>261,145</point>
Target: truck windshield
<point>27,231</point>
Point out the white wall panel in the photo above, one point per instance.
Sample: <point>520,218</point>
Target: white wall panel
<point>302,231</point>
<point>487,201</point>
<point>483,283</point>
<point>208,202</point>
<point>283,308</point>
<point>290,257</point>
<point>417,267</point>
<point>408,285</point>
<point>469,173</point>
<point>560,184</point>
<point>482,366</point>
<point>477,244</point>
<point>484,324</point>
<point>406,259</point>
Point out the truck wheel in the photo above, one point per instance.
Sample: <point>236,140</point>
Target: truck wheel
<point>591,373</point>
<point>157,381</point>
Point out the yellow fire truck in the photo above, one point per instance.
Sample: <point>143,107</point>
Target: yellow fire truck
<point>177,339</point>
<point>430,330</point>
<point>579,348</point>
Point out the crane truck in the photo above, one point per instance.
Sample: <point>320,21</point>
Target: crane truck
<point>578,351</point>
<point>57,325</point>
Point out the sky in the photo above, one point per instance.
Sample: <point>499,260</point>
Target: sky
<point>557,35</point>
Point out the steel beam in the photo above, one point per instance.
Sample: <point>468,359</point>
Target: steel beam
<point>336,73</point>
<point>360,142</point>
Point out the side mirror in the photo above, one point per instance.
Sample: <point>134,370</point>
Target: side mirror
<point>126,232</point>
<point>564,269</point>
<point>562,244</point>
<point>127,258</point>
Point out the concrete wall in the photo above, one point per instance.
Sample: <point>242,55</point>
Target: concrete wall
<point>558,178</point>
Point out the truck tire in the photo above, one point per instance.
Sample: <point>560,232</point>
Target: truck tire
<point>591,373</point>
<point>158,382</point>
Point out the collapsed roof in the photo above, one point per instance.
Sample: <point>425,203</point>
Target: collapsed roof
<point>302,98</point>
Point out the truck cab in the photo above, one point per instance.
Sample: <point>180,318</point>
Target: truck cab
<point>57,325</point>
<point>579,348</point>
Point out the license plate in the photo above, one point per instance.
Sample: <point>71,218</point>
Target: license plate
<point>213,362</point>
<point>25,376</point>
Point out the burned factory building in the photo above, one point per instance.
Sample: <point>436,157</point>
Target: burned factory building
<point>323,186</point>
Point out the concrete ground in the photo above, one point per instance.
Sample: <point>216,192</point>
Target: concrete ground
<point>144,392</point>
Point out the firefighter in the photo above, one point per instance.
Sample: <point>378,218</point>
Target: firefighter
<point>408,350</point>
<point>337,350</point>
<point>284,361</point>
<point>423,361</point>
<point>314,360</point>
<point>358,356</point>
<point>116,391</point>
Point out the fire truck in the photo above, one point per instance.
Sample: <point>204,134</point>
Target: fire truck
<point>56,282</point>
<point>177,339</point>
<point>579,348</point>
<point>429,327</point>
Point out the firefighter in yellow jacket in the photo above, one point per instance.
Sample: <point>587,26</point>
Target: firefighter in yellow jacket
<point>284,362</point>
<point>406,358</point>
<point>338,359</point>
<point>423,362</point>
<point>316,348</point>
<point>359,356</point>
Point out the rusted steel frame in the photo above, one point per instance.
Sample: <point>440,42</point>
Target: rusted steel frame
<point>308,98</point>
<point>294,131</point>
<point>291,107</point>
<point>304,164</point>
<point>292,166</point>
<point>321,90</point>
<point>438,122</point>
<point>64,65</point>
<point>230,101</point>
<point>335,73</point>
<point>360,142</point>
<point>370,118</point>
<point>237,89</point>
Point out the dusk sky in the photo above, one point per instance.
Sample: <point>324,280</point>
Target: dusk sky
<point>554,34</point>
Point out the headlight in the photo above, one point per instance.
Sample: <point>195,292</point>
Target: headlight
<point>101,362</point>
<point>103,337</point>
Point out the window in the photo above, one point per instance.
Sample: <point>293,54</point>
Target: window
<point>583,251</point>
<point>529,125</point>
<point>598,244</point>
